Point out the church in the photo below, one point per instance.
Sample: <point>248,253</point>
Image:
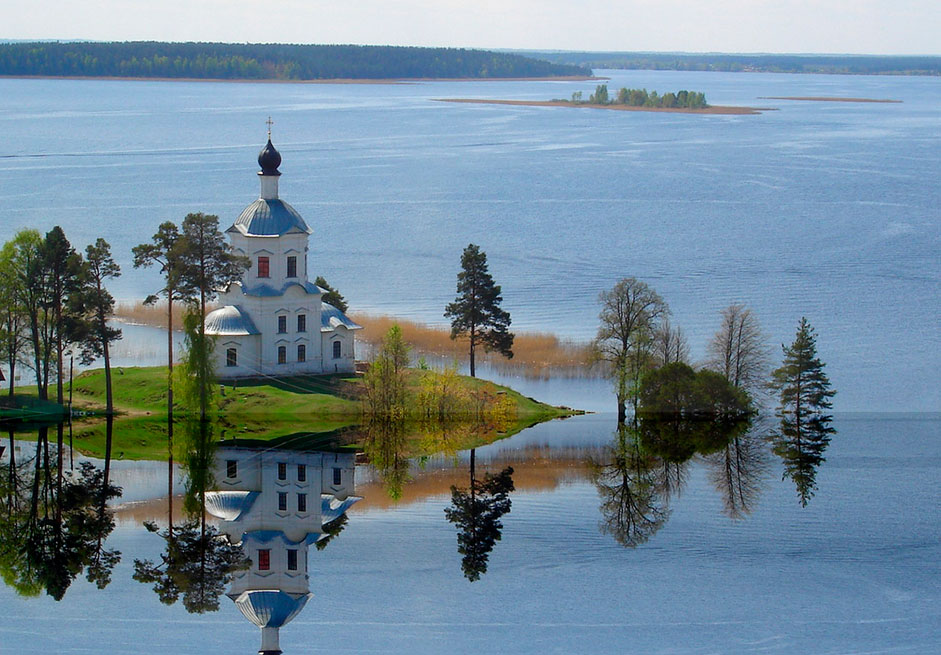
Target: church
<point>273,321</point>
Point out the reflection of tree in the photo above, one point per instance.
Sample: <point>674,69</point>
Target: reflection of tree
<point>648,465</point>
<point>385,446</point>
<point>55,524</point>
<point>477,512</point>
<point>805,394</point>
<point>801,444</point>
<point>737,470</point>
<point>632,507</point>
<point>332,530</point>
<point>198,561</point>
<point>197,564</point>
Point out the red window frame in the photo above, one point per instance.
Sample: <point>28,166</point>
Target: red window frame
<point>264,267</point>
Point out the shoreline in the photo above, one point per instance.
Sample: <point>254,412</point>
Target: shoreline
<point>714,110</point>
<point>828,99</point>
<point>339,80</point>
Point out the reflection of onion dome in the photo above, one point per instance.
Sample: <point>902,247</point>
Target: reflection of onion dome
<point>269,159</point>
<point>269,610</point>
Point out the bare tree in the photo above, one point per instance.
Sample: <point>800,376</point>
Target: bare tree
<point>739,350</point>
<point>630,315</point>
<point>670,344</point>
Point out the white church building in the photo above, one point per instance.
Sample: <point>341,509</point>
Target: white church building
<point>273,321</point>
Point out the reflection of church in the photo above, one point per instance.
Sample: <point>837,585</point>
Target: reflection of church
<point>273,321</point>
<point>275,503</point>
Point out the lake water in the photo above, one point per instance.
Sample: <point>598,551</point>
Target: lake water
<point>823,210</point>
<point>855,571</point>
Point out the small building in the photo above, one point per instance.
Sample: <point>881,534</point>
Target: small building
<point>274,321</point>
<point>276,503</point>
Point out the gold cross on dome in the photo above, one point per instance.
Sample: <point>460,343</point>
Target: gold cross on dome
<point>269,123</point>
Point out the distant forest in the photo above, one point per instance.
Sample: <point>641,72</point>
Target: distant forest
<point>267,61</point>
<point>832,64</point>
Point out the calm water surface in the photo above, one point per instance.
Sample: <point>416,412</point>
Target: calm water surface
<point>856,571</point>
<point>824,210</point>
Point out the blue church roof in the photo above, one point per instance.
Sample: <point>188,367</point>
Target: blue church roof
<point>265,290</point>
<point>271,217</point>
<point>331,318</point>
<point>229,321</point>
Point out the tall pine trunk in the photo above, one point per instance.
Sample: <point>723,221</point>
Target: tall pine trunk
<point>473,345</point>
<point>170,361</point>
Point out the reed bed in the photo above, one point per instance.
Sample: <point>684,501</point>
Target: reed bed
<point>535,354</point>
<point>153,315</point>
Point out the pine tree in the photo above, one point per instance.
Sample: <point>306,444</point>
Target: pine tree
<point>805,394</point>
<point>332,296</point>
<point>475,312</point>
<point>91,306</point>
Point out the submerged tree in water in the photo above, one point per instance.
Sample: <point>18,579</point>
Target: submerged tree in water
<point>631,314</point>
<point>805,430</point>
<point>476,512</point>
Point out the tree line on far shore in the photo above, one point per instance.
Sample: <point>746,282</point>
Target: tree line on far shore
<point>752,63</point>
<point>682,99</point>
<point>155,59</point>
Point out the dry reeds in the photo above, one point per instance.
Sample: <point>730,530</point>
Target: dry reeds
<point>535,354</point>
<point>152,315</point>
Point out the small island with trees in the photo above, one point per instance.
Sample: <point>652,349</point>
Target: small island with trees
<point>683,101</point>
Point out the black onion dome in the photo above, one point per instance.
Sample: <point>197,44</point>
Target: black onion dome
<point>269,159</point>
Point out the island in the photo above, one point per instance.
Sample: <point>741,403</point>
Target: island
<point>683,101</point>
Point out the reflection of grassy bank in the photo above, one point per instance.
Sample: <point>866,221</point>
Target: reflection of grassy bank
<point>27,406</point>
<point>145,438</point>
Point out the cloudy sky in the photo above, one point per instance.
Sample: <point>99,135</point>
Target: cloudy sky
<point>837,26</point>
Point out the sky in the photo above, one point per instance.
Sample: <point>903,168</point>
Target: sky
<point>805,26</point>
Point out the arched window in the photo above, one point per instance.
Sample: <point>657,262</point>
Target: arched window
<point>302,353</point>
<point>282,355</point>
<point>336,349</point>
<point>231,357</point>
